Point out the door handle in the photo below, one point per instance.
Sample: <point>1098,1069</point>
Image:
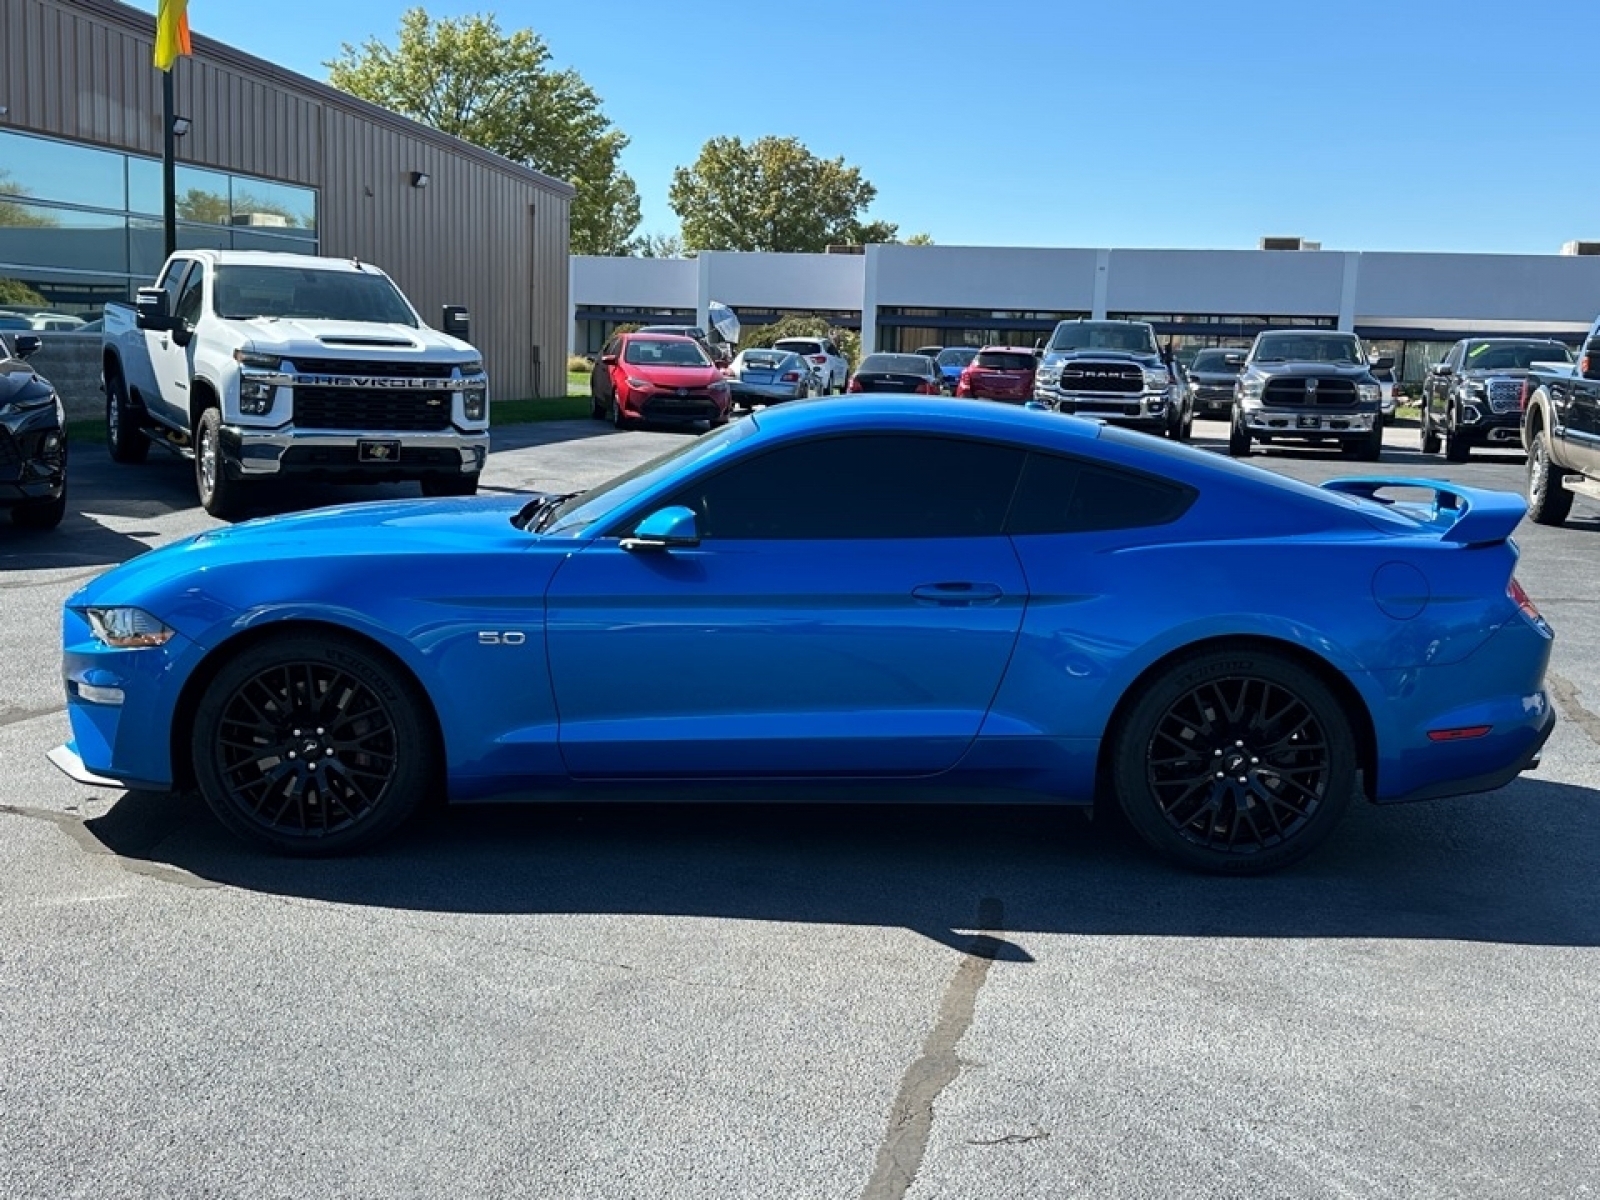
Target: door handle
<point>958,594</point>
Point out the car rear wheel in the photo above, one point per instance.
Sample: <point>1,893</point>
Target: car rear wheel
<point>597,410</point>
<point>1234,762</point>
<point>312,745</point>
<point>126,442</point>
<point>1549,501</point>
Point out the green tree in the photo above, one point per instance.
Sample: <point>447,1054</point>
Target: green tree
<point>662,245</point>
<point>789,325</point>
<point>499,91</point>
<point>19,294</point>
<point>772,194</point>
<point>919,239</point>
<point>14,216</point>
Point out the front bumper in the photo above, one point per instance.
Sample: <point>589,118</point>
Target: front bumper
<point>1492,428</point>
<point>251,453</point>
<point>33,456</point>
<point>1145,409</point>
<point>1297,422</point>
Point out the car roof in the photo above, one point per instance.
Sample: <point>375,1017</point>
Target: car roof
<point>1007,349</point>
<point>649,335</point>
<point>275,258</point>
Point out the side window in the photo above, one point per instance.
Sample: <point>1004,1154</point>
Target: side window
<point>187,309</point>
<point>171,280</point>
<point>1064,495</point>
<point>875,486</point>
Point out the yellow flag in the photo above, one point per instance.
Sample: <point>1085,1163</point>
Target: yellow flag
<point>172,32</point>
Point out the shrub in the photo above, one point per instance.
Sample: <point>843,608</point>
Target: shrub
<point>790,325</point>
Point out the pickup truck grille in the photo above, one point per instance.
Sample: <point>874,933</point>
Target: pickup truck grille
<point>1292,393</point>
<point>1505,395</point>
<point>378,412</point>
<point>392,369</point>
<point>1114,378</point>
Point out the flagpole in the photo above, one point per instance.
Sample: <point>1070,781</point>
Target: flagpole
<point>169,200</point>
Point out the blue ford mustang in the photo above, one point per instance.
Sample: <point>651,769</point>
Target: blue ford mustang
<point>918,593</point>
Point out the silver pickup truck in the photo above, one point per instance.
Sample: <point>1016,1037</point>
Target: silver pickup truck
<point>265,366</point>
<point>1561,432</point>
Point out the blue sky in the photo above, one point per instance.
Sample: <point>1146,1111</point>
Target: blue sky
<point>1408,125</point>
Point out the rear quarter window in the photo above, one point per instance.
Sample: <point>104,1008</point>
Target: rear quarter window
<point>1066,495</point>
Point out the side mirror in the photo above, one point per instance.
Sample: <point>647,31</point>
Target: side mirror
<point>609,360</point>
<point>28,344</point>
<point>1442,368</point>
<point>1383,363</point>
<point>664,529</point>
<point>456,322</point>
<point>150,311</point>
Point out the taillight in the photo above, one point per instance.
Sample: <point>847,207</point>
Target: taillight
<point>855,385</point>
<point>819,359</point>
<point>1520,598</point>
<point>926,388</point>
<point>791,377</point>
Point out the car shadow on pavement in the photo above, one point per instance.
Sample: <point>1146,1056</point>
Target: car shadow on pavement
<point>1514,867</point>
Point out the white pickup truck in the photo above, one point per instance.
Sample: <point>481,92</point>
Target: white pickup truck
<point>268,366</point>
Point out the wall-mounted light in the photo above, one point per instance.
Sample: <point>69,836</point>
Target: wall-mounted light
<point>420,179</point>
<point>181,126</point>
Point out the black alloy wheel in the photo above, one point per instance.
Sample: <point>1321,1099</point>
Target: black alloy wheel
<point>312,745</point>
<point>1235,762</point>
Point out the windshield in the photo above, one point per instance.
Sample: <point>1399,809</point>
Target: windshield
<point>957,356</point>
<point>1104,335</point>
<point>576,514</point>
<point>1217,360</point>
<point>1342,348</point>
<point>1513,356</point>
<point>648,352</point>
<point>318,294</point>
<point>795,347</point>
<point>763,360</point>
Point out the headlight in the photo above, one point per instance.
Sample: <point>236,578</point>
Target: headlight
<point>1048,375</point>
<point>261,362</point>
<point>1474,387</point>
<point>127,628</point>
<point>475,403</point>
<point>256,393</point>
<point>1156,380</point>
<point>1250,389</point>
<point>1369,393</point>
<point>640,385</point>
<point>475,367</point>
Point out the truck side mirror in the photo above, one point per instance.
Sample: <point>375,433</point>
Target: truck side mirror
<point>150,310</point>
<point>457,322</point>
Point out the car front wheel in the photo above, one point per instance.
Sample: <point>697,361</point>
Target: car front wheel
<point>220,496</point>
<point>1238,438</point>
<point>1234,762</point>
<point>312,745</point>
<point>1549,501</point>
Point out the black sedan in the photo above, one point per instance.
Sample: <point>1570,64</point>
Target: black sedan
<point>916,374</point>
<point>33,441</point>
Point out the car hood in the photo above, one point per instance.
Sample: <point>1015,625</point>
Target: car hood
<point>1496,373</point>
<point>1063,356</point>
<point>663,376</point>
<point>292,546</point>
<point>1310,370</point>
<point>355,340</point>
<point>1213,378</point>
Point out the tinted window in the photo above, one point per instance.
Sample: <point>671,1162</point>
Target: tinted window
<point>896,364</point>
<point>647,352</point>
<point>1064,495</point>
<point>1309,347</point>
<point>956,356</point>
<point>799,347</point>
<point>1217,360</point>
<point>188,307</point>
<point>874,486</point>
<point>999,360</point>
<point>1512,356</point>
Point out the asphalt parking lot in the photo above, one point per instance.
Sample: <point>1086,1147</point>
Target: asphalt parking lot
<point>696,1001</point>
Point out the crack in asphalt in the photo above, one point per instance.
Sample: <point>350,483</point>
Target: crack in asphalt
<point>911,1116</point>
<point>74,827</point>
<point>1566,695</point>
<point>15,716</point>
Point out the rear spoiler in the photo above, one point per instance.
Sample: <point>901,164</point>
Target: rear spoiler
<point>1461,515</point>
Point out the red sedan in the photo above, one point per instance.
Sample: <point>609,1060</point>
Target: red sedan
<point>660,378</point>
<point>1000,373</point>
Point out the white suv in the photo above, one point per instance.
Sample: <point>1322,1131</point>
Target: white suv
<point>826,362</point>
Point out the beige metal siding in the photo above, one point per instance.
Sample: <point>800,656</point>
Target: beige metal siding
<point>485,232</point>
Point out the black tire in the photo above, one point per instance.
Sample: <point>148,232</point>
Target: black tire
<point>1430,436</point>
<point>1457,447</point>
<point>279,712</point>
<point>41,514</point>
<point>1218,717</point>
<point>450,485</point>
<point>125,441</point>
<point>1549,501</point>
<point>1238,439</point>
<point>596,409</point>
<point>617,419</point>
<point>220,496</point>
<point>1364,449</point>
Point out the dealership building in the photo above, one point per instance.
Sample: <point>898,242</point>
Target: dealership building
<point>266,160</point>
<point>1407,306</point>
